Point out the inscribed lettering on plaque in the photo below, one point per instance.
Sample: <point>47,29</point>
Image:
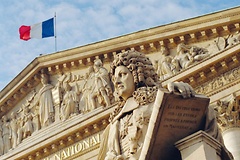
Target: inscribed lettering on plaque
<point>173,118</point>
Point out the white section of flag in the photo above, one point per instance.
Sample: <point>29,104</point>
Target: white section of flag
<point>36,31</point>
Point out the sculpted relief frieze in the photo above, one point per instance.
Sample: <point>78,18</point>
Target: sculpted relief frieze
<point>56,99</point>
<point>171,62</point>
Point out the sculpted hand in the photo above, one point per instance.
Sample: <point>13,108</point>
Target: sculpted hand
<point>184,88</point>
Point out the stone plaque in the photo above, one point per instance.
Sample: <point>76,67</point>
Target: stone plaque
<point>173,118</point>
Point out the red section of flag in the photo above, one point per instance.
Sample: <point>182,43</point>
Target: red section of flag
<point>24,32</point>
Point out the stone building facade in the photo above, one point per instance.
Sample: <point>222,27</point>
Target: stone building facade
<point>59,105</point>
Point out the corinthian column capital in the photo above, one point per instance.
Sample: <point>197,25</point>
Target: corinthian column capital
<point>228,111</point>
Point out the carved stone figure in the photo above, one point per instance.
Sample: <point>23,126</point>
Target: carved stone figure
<point>35,120</point>
<point>102,89</point>
<point>69,104</point>
<point>45,102</point>
<point>85,101</point>
<point>27,120</point>
<point>187,55</point>
<point>14,129</point>
<point>20,131</point>
<point>6,134</point>
<point>183,56</point>
<point>166,65</point>
<point>136,84</point>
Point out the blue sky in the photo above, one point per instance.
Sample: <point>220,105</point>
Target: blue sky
<point>81,22</point>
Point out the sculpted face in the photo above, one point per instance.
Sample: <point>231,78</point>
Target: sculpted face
<point>123,82</point>
<point>44,80</point>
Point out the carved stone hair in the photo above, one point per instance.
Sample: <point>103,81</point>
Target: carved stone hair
<point>45,76</point>
<point>144,76</point>
<point>98,63</point>
<point>139,65</point>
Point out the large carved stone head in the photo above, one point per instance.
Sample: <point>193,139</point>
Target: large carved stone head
<point>140,66</point>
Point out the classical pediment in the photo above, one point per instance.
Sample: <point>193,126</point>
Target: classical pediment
<point>79,79</point>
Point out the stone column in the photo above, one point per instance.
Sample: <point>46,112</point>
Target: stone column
<point>228,115</point>
<point>199,146</point>
<point>231,139</point>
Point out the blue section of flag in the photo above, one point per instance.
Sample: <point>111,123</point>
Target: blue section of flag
<point>48,28</point>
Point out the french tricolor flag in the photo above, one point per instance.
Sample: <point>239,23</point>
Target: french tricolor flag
<point>40,30</point>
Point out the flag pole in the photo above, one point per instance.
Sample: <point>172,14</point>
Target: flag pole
<point>55,30</point>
